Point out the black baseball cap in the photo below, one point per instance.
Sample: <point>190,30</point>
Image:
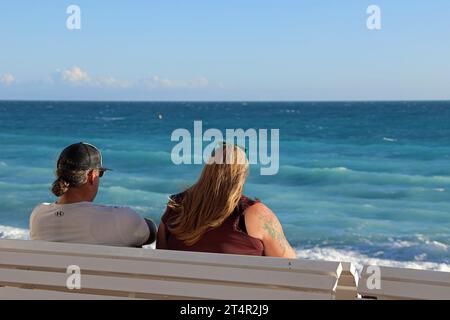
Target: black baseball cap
<point>81,156</point>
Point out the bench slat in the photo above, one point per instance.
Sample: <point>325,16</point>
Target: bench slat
<point>330,267</point>
<point>10,293</point>
<point>407,290</point>
<point>399,283</point>
<point>412,275</point>
<point>10,277</point>
<point>289,278</point>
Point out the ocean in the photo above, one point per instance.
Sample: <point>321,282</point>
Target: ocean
<point>367,182</point>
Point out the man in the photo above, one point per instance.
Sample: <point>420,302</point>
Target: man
<point>74,218</point>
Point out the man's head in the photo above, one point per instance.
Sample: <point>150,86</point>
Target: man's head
<point>78,170</point>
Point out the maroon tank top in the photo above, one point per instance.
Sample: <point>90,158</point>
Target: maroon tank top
<point>230,237</point>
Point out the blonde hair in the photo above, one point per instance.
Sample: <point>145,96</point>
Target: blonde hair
<point>66,179</point>
<point>213,198</point>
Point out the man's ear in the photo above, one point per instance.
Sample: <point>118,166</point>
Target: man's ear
<point>91,177</point>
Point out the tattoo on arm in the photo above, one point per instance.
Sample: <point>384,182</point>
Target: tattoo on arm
<point>275,232</point>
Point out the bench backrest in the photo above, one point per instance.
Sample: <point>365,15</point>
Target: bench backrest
<point>158,274</point>
<point>400,283</point>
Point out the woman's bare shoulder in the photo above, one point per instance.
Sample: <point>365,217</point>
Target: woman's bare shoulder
<point>256,218</point>
<point>259,210</point>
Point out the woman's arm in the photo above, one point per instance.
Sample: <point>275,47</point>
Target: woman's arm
<point>263,224</point>
<point>161,240</point>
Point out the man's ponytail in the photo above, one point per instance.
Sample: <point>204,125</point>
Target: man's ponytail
<point>60,186</point>
<point>66,179</point>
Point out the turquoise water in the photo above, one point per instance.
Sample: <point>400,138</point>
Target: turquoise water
<point>360,180</point>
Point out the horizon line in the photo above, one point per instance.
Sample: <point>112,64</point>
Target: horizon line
<point>227,101</point>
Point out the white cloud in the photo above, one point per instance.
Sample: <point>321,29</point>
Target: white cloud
<point>156,82</point>
<point>79,77</point>
<point>7,79</point>
<point>113,82</point>
<point>75,75</point>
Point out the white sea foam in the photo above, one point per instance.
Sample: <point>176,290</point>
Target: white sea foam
<point>13,233</point>
<point>432,244</point>
<point>438,245</point>
<point>359,260</point>
<point>111,118</point>
<point>389,139</point>
<point>339,169</point>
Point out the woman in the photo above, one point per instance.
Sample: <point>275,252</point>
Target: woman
<point>214,216</point>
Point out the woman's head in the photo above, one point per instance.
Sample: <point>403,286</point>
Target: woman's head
<point>213,197</point>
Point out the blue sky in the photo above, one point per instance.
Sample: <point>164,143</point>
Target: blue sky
<point>225,50</point>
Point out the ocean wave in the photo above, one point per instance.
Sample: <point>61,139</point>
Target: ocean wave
<point>8,186</point>
<point>167,185</point>
<point>110,118</point>
<point>140,158</point>
<point>342,175</point>
<point>135,197</point>
<point>130,191</point>
<point>359,259</point>
<point>290,111</point>
<point>7,232</point>
<point>20,170</point>
<point>432,243</point>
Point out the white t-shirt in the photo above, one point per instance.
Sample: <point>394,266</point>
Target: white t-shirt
<point>85,222</point>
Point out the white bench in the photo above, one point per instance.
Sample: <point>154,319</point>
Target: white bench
<point>37,270</point>
<point>404,284</point>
